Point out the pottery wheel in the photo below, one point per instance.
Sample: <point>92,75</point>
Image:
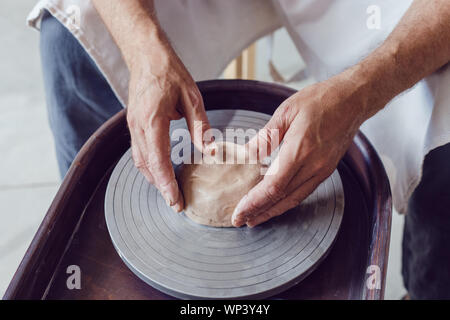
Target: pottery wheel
<point>187,260</point>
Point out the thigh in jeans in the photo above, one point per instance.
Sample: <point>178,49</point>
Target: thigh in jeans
<point>78,97</point>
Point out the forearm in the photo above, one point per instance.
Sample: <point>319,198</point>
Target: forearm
<point>417,47</point>
<point>134,27</point>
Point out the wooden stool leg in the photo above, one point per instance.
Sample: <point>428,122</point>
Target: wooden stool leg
<point>243,67</point>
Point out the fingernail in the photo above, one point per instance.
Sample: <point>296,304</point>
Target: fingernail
<point>237,221</point>
<point>169,200</point>
<point>177,207</point>
<point>240,206</point>
<point>169,193</point>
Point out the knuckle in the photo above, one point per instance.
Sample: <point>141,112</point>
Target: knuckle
<point>131,122</point>
<point>273,136</point>
<point>274,192</point>
<point>137,160</point>
<point>196,100</point>
<point>153,164</point>
<point>321,165</point>
<point>159,169</point>
<point>267,215</point>
<point>154,120</point>
<point>308,147</point>
<point>325,173</point>
<point>324,169</point>
<point>267,136</point>
<point>166,183</point>
<point>285,111</point>
<point>251,207</point>
<point>139,164</point>
<point>272,214</point>
<point>327,170</point>
<point>294,202</point>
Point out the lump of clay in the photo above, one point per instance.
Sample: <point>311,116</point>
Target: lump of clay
<point>213,188</point>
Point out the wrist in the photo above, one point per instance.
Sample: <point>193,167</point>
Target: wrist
<point>368,86</point>
<point>352,88</point>
<point>378,78</point>
<point>147,46</point>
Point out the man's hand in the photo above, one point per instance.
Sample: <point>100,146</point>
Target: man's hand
<point>160,90</point>
<point>317,125</point>
<point>158,93</point>
<point>319,122</point>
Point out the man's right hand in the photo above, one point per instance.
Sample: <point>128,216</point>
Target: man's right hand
<point>160,90</point>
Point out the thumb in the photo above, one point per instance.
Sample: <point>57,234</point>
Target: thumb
<point>267,139</point>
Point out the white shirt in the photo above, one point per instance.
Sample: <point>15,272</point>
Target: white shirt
<point>331,35</point>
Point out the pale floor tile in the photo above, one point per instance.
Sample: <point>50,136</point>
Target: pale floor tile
<point>26,146</point>
<point>21,212</point>
<point>26,143</point>
<point>19,54</point>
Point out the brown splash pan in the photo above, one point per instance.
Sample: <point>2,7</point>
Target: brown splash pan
<point>74,231</point>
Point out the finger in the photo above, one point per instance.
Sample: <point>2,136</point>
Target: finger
<point>272,188</point>
<point>158,161</point>
<point>196,118</point>
<point>304,174</point>
<point>291,201</point>
<point>268,138</point>
<point>138,144</point>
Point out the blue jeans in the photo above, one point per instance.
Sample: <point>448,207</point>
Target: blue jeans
<point>78,97</point>
<point>79,100</point>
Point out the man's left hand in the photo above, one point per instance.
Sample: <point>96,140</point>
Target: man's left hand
<point>317,125</point>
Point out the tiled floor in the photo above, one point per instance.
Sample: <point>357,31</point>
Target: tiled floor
<point>28,170</point>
